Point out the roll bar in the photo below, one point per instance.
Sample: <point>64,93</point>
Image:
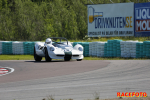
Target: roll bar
<point>59,38</point>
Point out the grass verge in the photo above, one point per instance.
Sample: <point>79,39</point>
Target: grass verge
<point>30,57</point>
<point>16,57</point>
<point>116,58</point>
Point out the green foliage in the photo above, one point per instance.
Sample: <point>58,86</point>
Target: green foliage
<point>35,20</point>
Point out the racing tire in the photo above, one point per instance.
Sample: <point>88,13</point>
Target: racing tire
<point>47,58</point>
<point>36,57</point>
<point>79,59</point>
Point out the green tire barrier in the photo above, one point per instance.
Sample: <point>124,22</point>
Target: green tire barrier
<point>146,49</point>
<point>28,48</point>
<point>1,47</point>
<point>105,50</point>
<point>15,47</point>
<point>7,48</point>
<point>111,48</point>
<point>86,49</point>
<point>139,50</point>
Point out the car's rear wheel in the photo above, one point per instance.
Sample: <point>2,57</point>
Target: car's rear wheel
<point>79,59</point>
<point>47,58</point>
<point>36,57</point>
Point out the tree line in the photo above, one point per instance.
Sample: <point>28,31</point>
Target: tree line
<point>35,20</point>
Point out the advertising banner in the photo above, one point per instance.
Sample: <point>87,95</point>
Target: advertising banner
<point>107,20</point>
<point>142,19</point>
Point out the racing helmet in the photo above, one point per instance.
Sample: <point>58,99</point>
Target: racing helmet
<point>48,41</point>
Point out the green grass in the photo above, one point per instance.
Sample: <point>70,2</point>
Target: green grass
<point>116,58</point>
<point>16,57</point>
<point>30,57</point>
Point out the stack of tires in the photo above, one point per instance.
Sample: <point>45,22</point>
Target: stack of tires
<point>139,45</point>
<point>94,50</point>
<point>122,46</point>
<point>146,49</point>
<point>100,49</point>
<point>118,48</point>
<point>133,49</point>
<point>28,48</point>
<point>7,47</point>
<point>127,49</point>
<point>105,50</point>
<point>17,48</point>
<point>110,48</point>
<point>1,47</point>
<point>90,48</point>
<point>141,50</point>
<point>86,49</point>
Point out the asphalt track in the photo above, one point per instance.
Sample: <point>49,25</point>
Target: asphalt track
<point>77,80</point>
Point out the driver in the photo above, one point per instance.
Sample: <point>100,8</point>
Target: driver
<point>48,41</point>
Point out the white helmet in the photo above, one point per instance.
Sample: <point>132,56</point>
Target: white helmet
<point>48,41</point>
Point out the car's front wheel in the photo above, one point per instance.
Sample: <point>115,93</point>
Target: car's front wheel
<point>47,58</point>
<point>36,57</point>
<point>79,59</point>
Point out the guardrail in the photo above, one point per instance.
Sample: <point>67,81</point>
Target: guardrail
<point>111,48</point>
<point>15,47</point>
<point>117,48</point>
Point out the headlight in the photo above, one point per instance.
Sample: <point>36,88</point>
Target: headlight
<point>52,48</point>
<point>80,49</point>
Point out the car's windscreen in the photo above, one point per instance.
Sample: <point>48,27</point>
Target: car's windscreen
<point>59,41</point>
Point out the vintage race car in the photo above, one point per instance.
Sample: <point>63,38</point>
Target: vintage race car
<point>57,48</point>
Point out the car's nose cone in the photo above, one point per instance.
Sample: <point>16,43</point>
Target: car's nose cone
<point>67,50</point>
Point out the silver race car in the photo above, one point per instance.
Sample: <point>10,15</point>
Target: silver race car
<point>57,48</point>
